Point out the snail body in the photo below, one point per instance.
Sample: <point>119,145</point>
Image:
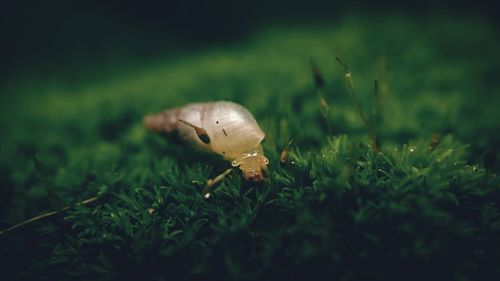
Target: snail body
<point>224,128</point>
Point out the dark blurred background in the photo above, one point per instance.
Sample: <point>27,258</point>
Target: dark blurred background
<point>42,37</point>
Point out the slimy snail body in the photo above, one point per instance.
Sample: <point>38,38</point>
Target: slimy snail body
<point>224,128</point>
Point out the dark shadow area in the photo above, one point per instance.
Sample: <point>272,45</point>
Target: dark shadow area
<point>81,37</point>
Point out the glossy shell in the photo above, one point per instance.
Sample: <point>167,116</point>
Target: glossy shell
<point>231,128</point>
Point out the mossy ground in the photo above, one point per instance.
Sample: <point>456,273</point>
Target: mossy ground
<point>338,207</point>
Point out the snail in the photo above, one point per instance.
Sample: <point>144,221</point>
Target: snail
<point>224,128</point>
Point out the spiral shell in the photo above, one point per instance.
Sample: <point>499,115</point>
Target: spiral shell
<point>224,128</point>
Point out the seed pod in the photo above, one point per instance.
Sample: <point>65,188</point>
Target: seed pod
<point>224,128</point>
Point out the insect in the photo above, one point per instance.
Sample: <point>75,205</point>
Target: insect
<point>224,128</point>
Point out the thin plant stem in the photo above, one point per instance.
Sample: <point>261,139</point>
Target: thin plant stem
<point>49,214</point>
<point>350,86</point>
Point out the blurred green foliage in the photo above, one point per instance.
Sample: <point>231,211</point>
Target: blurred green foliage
<point>336,208</point>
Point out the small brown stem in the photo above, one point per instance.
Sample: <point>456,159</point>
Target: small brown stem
<point>213,182</point>
<point>285,152</point>
<point>435,139</point>
<point>376,113</point>
<point>42,216</point>
<point>350,85</point>
<point>319,83</point>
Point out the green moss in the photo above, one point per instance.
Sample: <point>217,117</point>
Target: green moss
<point>409,212</point>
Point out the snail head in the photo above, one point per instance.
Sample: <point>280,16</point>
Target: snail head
<point>252,165</point>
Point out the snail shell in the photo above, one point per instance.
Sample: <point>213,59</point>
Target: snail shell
<point>224,128</point>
